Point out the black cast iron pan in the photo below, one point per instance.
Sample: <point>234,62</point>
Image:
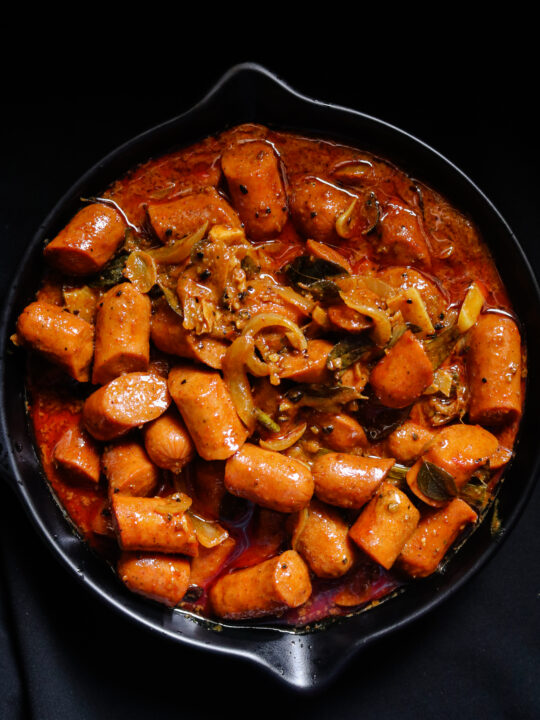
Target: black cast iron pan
<point>306,661</point>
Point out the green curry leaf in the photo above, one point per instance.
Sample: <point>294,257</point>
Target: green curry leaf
<point>436,483</point>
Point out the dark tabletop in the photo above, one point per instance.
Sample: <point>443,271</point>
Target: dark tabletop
<point>63,654</point>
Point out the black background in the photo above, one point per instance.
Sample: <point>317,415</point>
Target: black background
<point>65,655</point>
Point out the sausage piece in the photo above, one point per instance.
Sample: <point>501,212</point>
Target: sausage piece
<point>462,449</point>
<point>153,524</point>
<point>385,525</point>
<point>209,562</point>
<point>433,537</point>
<point>308,366</point>
<point>264,589</point>
<point>77,456</point>
<point>88,241</point>
<point>169,336</point>
<point>168,442</point>
<point>407,443</point>
<point>340,432</point>
<point>403,374</point>
<point>126,402</point>
<point>173,220</point>
<point>269,478</point>
<point>494,364</point>
<point>348,481</point>
<point>208,411</point>
<point>129,470</point>
<point>101,523</point>
<point>122,333</point>
<point>320,535</point>
<point>64,339</point>
<point>402,241</point>
<point>164,578</point>
<point>210,486</point>
<point>256,188</point>
<point>315,206</point>
<point>348,319</point>
<point>459,450</point>
<point>325,252</point>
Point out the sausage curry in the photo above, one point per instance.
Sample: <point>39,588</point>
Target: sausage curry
<point>272,376</point>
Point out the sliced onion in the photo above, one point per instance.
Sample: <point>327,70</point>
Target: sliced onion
<point>300,525</point>
<point>320,316</point>
<point>264,320</point>
<point>82,302</point>
<point>379,287</point>
<point>235,375</point>
<point>140,270</point>
<point>471,308</point>
<point>257,367</point>
<point>443,381</point>
<point>382,328</point>
<point>209,533</point>
<point>286,441</point>
<point>174,504</point>
<point>344,220</point>
<point>171,298</point>
<point>180,249</point>
<point>291,296</point>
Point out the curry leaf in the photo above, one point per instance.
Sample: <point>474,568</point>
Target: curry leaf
<point>309,270</point>
<point>378,420</point>
<point>436,483</point>
<point>440,347</point>
<point>309,273</point>
<point>347,352</point>
<point>112,274</point>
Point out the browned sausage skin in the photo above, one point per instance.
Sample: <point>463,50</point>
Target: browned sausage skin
<point>403,374</point>
<point>308,366</point>
<point>348,481</point>
<point>256,187</point>
<point>122,333</point>
<point>168,442</point>
<point>494,363</point>
<point>168,335</point>
<point>320,535</point>
<point>457,449</point>
<point>124,403</point>
<point>408,441</point>
<point>205,404</point>
<point>385,525</point>
<point>269,478</point>
<point>77,456</point>
<point>153,524</point>
<point>433,537</point>
<point>209,562</point>
<point>401,240</point>
<point>341,432</point>
<point>63,338</point>
<point>267,588</point>
<point>315,206</point>
<point>174,219</point>
<point>128,469</point>
<point>88,241</point>
<point>164,578</point>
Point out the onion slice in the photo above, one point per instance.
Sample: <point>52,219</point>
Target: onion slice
<point>235,376</point>
<point>209,533</point>
<point>285,441</point>
<point>180,249</point>
<point>264,320</point>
